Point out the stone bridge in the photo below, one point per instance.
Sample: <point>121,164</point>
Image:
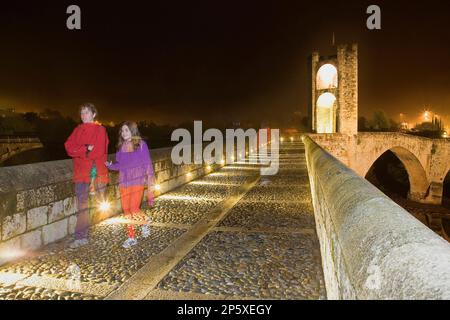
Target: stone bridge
<point>217,232</point>
<point>10,146</point>
<point>425,160</point>
<point>315,230</point>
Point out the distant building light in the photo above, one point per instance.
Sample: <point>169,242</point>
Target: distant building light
<point>426,116</point>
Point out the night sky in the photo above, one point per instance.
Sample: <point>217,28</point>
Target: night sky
<point>176,61</point>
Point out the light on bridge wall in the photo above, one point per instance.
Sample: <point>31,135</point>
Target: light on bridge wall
<point>104,206</point>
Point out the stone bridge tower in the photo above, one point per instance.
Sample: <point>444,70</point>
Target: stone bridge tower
<point>334,91</point>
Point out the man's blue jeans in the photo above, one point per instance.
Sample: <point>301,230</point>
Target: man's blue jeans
<point>83,218</point>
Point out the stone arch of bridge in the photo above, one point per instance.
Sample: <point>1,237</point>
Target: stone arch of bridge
<point>418,178</point>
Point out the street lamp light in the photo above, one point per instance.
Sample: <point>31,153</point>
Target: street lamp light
<point>104,206</point>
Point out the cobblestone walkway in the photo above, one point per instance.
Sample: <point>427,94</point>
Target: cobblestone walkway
<point>230,235</point>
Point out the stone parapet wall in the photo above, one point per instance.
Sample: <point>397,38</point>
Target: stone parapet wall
<point>38,204</point>
<point>371,248</point>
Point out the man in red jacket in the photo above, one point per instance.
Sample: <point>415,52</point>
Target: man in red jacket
<point>88,147</point>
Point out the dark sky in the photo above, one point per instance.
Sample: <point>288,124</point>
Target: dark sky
<point>175,61</point>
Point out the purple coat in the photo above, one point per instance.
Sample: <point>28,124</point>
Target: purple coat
<point>135,168</point>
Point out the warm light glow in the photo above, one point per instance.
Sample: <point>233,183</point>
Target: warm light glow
<point>235,167</point>
<point>189,174</point>
<point>292,139</point>
<point>104,206</point>
<point>426,116</point>
<point>404,125</point>
<point>117,220</point>
<point>157,187</point>
<point>10,277</point>
<point>221,174</point>
<point>325,113</point>
<point>327,77</point>
<point>281,139</point>
<point>10,253</point>
<point>212,183</point>
<point>208,167</point>
<point>183,198</point>
<point>222,161</point>
<point>326,100</point>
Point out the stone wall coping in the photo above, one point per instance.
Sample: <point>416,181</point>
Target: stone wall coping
<point>35,175</point>
<point>381,134</point>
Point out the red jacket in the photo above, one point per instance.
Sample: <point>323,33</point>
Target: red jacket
<point>94,134</point>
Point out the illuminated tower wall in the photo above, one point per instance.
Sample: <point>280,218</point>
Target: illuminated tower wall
<point>334,91</point>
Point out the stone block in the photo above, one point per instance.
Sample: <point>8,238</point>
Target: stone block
<point>8,204</point>
<point>13,225</point>
<point>35,197</point>
<point>70,206</point>
<point>56,211</point>
<point>72,223</point>
<point>54,231</point>
<point>37,217</point>
<point>31,240</point>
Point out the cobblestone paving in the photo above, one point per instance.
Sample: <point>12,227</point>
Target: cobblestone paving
<point>265,247</point>
<point>269,215</point>
<point>259,265</point>
<point>256,257</point>
<point>17,292</point>
<point>180,210</point>
<point>284,194</point>
<point>103,260</point>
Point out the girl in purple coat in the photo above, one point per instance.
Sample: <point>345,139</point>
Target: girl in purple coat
<point>135,168</point>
